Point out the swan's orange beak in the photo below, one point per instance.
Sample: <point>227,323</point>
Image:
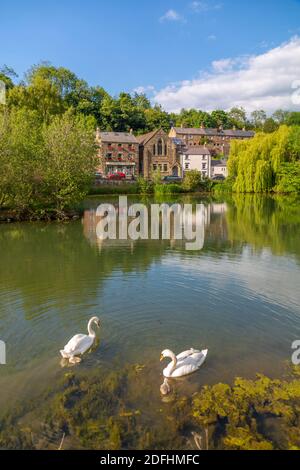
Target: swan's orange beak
<point>161,358</point>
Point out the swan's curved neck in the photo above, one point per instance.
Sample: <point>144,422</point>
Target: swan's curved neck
<point>90,329</point>
<point>174,362</point>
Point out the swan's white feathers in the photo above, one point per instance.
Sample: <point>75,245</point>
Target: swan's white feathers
<point>79,344</point>
<point>188,362</point>
<point>188,353</point>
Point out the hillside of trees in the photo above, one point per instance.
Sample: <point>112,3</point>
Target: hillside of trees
<point>50,91</point>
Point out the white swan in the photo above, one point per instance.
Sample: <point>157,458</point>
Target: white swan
<point>79,344</point>
<point>184,364</point>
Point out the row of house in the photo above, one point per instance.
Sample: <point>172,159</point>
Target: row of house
<point>180,151</point>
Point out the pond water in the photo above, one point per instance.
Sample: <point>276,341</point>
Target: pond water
<point>239,296</point>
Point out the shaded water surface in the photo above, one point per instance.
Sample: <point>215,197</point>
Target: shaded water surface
<point>238,296</point>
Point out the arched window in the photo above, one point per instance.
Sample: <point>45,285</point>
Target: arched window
<point>160,147</point>
<point>154,149</point>
<point>166,150</point>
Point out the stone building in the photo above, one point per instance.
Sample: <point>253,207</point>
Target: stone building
<point>196,158</point>
<point>216,140</point>
<point>158,153</point>
<point>118,152</point>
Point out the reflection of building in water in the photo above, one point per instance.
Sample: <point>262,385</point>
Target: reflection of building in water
<point>90,221</point>
<point>218,208</point>
<point>184,227</point>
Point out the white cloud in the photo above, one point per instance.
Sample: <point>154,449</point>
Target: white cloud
<point>171,15</point>
<point>144,89</point>
<point>202,7</point>
<point>212,37</point>
<point>253,82</point>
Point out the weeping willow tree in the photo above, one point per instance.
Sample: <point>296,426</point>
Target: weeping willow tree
<point>255,164</point>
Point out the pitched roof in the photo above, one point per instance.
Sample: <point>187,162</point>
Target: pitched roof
<point>118,137</point>
<point>144,139</point>
<point>218,163</point>
<point>196,150</point>
<point>202,131</point>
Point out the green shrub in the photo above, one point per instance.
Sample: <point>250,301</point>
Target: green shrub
<point>115,189</point>
<point>192,181</point>
<point>168,189</point>
<point>223,187</point>
<point>144,186</point>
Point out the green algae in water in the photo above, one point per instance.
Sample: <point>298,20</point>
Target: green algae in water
<point>98,412</point>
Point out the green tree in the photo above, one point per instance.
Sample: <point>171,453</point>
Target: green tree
<point>70,159</point>
<point>258,118</point>
<point>238,117</point>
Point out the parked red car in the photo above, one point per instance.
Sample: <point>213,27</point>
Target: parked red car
<point>116,176</point>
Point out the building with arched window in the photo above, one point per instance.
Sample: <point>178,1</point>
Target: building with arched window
<point>158,153</point>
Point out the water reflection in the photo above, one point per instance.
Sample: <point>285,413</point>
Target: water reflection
<point>238,295</point>
<point>193,222</point>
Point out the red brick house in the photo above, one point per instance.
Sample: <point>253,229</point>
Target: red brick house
<point>118,152</point>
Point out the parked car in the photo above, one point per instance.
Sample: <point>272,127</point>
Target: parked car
<point>116,176</point>
<point>218,178</point>
<point>172,179</point>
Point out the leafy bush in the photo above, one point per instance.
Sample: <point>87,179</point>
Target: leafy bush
<point>223,187</point>
<point>115,189</point>
<point>168,189</point>
<point>144,186</point>
<point>192,181</point>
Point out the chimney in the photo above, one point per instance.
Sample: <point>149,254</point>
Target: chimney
<point>202,125</point>
<point>131,131</point>
<point>234,128</point>
<point>244,128</point>
<point>97,133</point>
<point>181,125</point>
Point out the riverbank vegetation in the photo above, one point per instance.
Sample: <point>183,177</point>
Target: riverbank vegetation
<point>98,412</point>
<point>45,166</point>
<point>267,163</point>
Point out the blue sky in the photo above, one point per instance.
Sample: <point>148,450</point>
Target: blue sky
<point>127,44</point>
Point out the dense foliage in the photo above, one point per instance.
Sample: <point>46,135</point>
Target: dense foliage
<point>50,90</point>
<point>268,162</point>
<point>44,165</point>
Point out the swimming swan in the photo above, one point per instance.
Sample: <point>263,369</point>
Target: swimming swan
<point>184,364</point>
<point>79,344</point>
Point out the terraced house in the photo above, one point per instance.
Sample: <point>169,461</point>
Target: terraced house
<point>118,152</point>
<point>183,150</point>
<point>216,140</point>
